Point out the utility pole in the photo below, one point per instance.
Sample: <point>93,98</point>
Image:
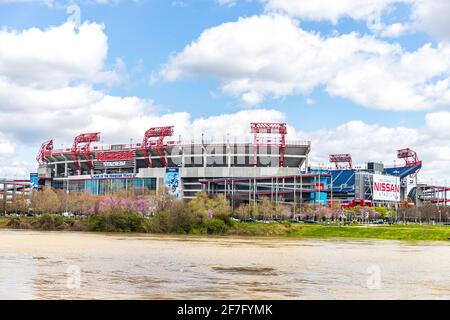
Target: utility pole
<point>5,196</point>
<point>417,201</point>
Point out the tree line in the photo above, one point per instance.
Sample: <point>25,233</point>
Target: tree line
<point>163,213</point>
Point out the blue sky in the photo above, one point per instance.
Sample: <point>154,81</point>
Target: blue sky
<point>150,37</point>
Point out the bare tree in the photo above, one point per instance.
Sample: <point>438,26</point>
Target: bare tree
<point>45,201</point>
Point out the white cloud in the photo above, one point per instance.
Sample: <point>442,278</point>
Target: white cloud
<point>228,3</point>
<point>237,125</point>
<point>180,4</point>
<point>55,57</point>
<point>439,124</point>
<point>430,16</point>
<point>364,141</point>
<point>63,111</point>
<point>270,55</point>
<point>310,101</point>
<point>7,147</point>
<point>390,31</point>
<point>46,79</point>
<point>16,170</point>
<point>331,10</point>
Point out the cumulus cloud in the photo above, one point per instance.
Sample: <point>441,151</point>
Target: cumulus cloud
<point>47,78</point>
<point>15,170</point>
<point>439,124</point>
<point>68,112</point>
<point>330,10</point>
<point>271,56</point>
<point>56,56</point>
<point>7,147</point>
<point>430,16</point>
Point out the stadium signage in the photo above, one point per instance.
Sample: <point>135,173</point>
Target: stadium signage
<point>115,156</point>
<point>113,176</point>
<point>386,188</point>
<point>115,159</point>
<point>115,164</point>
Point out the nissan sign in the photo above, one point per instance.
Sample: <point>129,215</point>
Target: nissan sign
<point>115,159</point>
<point>386,188</point>
<point>115,156</point>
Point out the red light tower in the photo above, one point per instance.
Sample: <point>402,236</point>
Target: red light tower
<point>410,157</point>
<point>46,148</point>
<point>154,139</point>
<point>85,140</point>
<point>341,158</point>
<point>269,134</point>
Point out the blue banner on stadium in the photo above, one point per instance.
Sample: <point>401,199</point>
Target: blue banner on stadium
<point>172,181</point>
<point>34,181</point>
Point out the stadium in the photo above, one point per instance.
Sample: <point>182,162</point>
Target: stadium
<point>269,166</point>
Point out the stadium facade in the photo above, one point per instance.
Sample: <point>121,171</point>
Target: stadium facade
<point>269,166</point>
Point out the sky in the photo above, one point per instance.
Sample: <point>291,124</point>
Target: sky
<point>365,77</point>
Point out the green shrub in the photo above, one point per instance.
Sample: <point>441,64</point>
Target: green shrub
<point>215,226</point>
<point>45,222</point>
<point>183,219</point>
<point>225,217</point>
<point>159,223</point>
<point>117,221</point>
<point>14,223</point>
<point>78,225</point>
<point>59,223</point>
<point>382,211</point>
<point>287,224</point>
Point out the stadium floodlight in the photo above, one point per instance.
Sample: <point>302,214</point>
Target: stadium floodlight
<point>269,134</point>
<point>82,145</point>
<point>409,155</point>
<point>46,147</point>
<point>154,139</point>
<point>341,158</point>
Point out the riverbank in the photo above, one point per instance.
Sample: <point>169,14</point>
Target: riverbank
<point>323,231</point>
<point>254,229</point>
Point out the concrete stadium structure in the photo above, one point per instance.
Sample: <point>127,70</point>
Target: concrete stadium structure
<point>269,166</point>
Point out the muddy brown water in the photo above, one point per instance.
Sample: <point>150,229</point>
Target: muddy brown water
<point>65,265</point>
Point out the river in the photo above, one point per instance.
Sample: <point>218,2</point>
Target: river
<point>66,265</point>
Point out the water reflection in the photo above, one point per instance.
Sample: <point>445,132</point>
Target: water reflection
<point>35,265</point>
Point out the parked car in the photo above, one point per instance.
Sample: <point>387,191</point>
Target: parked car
<point>310,221</point>
<point>379,221</point>
<point>248,220</point>
<point>294,220</point>
<point>67,214</point>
